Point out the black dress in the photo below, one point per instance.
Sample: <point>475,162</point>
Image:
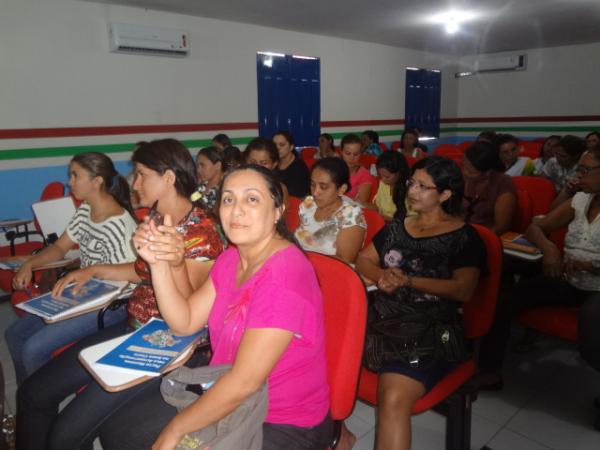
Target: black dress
<point>296,178</point>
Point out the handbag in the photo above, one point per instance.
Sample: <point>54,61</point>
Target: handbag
<point>240,430</point>
<point>415,335</point>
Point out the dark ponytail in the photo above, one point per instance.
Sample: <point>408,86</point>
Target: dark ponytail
<point>100,165</point>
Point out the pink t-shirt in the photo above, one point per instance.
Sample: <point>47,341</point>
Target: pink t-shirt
<point>361,177</point>
<point>283,294</point>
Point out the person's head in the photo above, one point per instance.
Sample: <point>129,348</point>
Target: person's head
<point>480,158</point>
<point>547,149</point>
<point>409,139</point>
<point>369,137</point>
<point>508,148</point>
<point>91,173</point>
<point>163,168</point>
<point>211,165</point>
<point>284,141</point>
<point>591,140</point>
<point>588,171</point>
<point>351,151</point>
<point>326,143</point>
<point>251,206</point>
<point>329,180</point>
<point>568,150</point>
<point>393,170</point>
<point>262,152</point>
<point>436,182</point>
<point>487,135</point>
<point>232,157</point>
<point>221,141</point>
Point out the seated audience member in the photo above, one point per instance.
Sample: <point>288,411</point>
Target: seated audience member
<point>490,195</point>
<point>232,157</point>
<point>422,146</point>
<point>487,136</point>
<point>561,167</point>
<point>263,152</point>
<point>370,143</point>
<point>546,152</point>
<point>292,170</point>
<point>326,148</point>
<point>571,278</point>
<point>165,172</point>
<point>409,144</point>
<point>102,227</point>
<point>422,265</point>
<point>361,181</point>
<point>221,141</point>
<point>211,166</point>
<point>331,223</point>
<point>276,337</point>
<point>393,172</point>
<point>514,165</point>
<point>591,140</point>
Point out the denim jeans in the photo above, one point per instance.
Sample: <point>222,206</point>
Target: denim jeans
<point>31,341</point>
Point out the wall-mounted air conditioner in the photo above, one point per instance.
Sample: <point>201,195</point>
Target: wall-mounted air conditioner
<point>148,40</point>
<point>495,64</point>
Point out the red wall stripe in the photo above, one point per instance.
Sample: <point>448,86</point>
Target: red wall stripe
<point>522,119</point>
<point>365,123</point>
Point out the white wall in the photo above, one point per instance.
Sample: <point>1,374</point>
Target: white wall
<point>558,81</point>
<point>57,70</point>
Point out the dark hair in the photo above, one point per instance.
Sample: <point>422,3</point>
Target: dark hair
<point>350,139</point>
<point>409,131</point>
<point>337,170</point>
<point>395,162</point>
<point>487,135</point>
<point>100,165</point>
<point>287,135</point>
<point>264,145</point>
<point>502,139</point>
<point>592,133</point>
<point>372,135</point>
<point>574,146</point>
<point>484,156</point>
<point>222,139</point>
<point>214,155</point>
<point>328,137</point>
<point>232,157</point>
<point>446,175</point>
<point>274,187</point>
<point>169,154</point>
<point>553,137</point>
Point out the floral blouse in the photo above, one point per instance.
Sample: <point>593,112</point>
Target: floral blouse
<point>321,236</point>
<point>207,197</point>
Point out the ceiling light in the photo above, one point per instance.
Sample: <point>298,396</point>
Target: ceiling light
<point>452,27</point>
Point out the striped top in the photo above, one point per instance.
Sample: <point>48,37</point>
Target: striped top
<point>107,242</point>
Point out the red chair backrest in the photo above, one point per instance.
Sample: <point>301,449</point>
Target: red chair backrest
<point>141,213</point>
<point>540,190</point>
<point>52,190</point>
<point>366,160</point>
<point>411,160</point>
<point>383,147</point>
<point>396,145</point>
<point>478,313</point>
<point>375,222</point>
<point>444,149</point>
<point>464,145</point>
<point>292,216</point>
<point>308,153</point>
<point>345,314</point>
<point>523,213</point>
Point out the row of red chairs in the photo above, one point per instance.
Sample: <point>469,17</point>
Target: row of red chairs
<point>530,149</point>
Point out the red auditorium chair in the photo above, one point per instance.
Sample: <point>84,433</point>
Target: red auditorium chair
<point>345,314</point>
<point>411,160</point>
<point>523,213</point>
<point>478,314</point>
<point>541,191</point>
<point>396,145</point>
<point>375,222</point>
<point>292,217</point>
<point>464,145</point>
<point>383,147</point>
<point>366,160</point>
<point>445,149</point>
<point>531,149</point>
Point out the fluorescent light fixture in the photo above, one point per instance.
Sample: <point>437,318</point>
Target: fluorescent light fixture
<point>303,57</point>
<point>279,55</point>
<point>452,27</point>
<point>453,16</point>
<point>426,138</point>
<point>412,68</point>
<point>463,74</point>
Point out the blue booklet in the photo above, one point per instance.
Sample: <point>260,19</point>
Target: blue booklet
<point>14,264</point>
<point>149,349</point>
<point>92,295</point>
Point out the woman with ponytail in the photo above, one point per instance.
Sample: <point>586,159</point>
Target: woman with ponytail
<point>102,227</point>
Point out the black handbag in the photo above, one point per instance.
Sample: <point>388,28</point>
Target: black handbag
<point>415,335</point>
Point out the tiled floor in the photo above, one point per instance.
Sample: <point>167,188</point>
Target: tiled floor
<point>546,404</point>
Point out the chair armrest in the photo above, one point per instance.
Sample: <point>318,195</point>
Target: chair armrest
<point>112,306</point>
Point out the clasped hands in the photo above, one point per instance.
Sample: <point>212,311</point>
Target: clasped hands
<point>162,243</point>
<point>391,279</point>
<point>556,266</point>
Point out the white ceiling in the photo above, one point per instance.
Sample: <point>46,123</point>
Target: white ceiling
<point>502,24</point>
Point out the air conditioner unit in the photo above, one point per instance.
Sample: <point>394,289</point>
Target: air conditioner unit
<point>500,63</point>
<point>147,40</point>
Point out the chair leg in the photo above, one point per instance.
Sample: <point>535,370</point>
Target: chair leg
<point>458,421</point>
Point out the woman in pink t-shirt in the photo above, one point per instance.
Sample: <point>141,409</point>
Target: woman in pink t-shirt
<point>361,181</point>
<point>264,310</point>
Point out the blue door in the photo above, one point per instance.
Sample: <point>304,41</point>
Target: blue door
<point>422,104</point>
<point>289,96</point>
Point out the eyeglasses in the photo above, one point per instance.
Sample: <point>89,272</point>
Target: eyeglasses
<point>584,170</point>
<point>418,186</point>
